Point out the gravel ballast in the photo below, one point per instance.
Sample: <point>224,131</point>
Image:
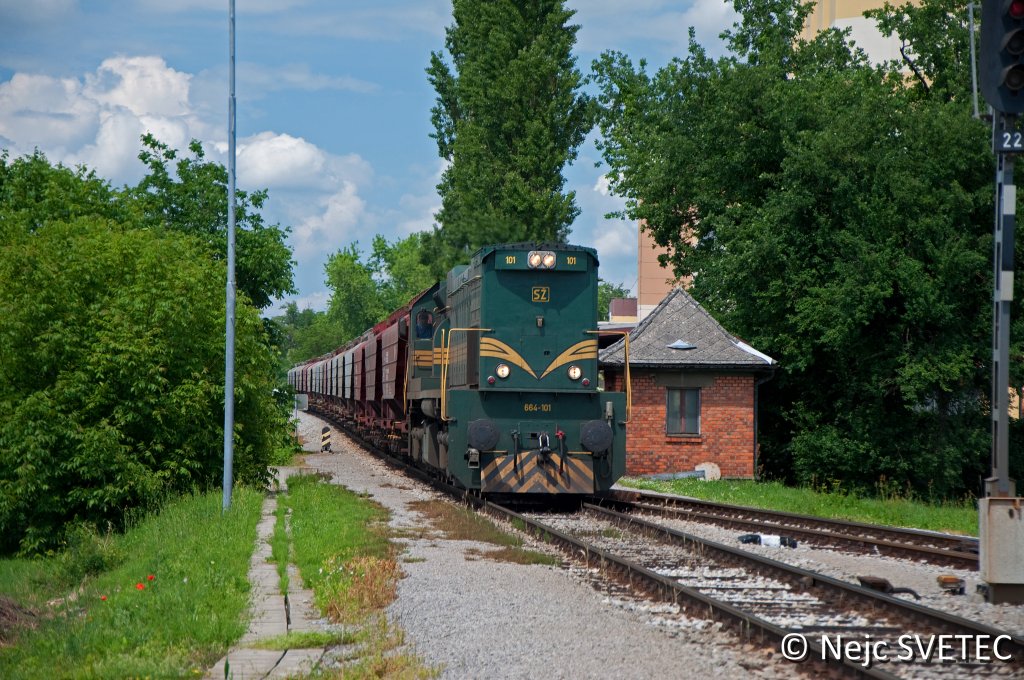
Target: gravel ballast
<point>477,618</point>
<point>847,566</point>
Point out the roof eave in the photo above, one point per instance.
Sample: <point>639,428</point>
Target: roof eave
<point>733,368</point>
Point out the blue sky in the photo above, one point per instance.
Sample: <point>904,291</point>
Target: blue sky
<point>333,103</point>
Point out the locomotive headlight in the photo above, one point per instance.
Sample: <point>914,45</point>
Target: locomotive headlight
<point>502,370</point>
<point>575,372</point>
<point>541,259</point>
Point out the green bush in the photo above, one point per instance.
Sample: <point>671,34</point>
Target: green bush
<point>88,553</point>
<point>112,364</point>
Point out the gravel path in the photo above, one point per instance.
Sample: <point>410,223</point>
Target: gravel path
<point>479,618</point>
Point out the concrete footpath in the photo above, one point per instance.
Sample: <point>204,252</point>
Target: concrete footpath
<point>273,614</point>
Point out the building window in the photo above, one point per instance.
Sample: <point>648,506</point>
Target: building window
<point>683,411</point>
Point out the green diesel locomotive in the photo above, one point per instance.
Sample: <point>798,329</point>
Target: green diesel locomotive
<point>491,376</point>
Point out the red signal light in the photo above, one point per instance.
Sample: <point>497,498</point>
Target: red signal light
<point>1016,9</point>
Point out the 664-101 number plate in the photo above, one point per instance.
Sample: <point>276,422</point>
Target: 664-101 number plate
<point>1008,141</point>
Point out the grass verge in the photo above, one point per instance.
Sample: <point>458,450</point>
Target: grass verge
<point>958,518</point>
<point>167,601</point>
<point>461,524</point>
<point>340,544</point>
<point>307,640</point>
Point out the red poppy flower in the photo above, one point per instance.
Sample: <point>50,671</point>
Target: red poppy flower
<point>140,586</point>
<point>103,597</point>
<point>150,577</point>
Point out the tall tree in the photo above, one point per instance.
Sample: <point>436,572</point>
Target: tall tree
<point>399,270</point>
<point>837,216</point>
<point>381,283</point>
<point>193,199</point>
<point>509,115</point>
<point>291,335</point>
<point>355,303</point>
<point>34,192</point>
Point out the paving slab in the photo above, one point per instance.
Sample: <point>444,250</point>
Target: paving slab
<point>246,663</point>
<point>271,614</point>
<point>296,662</point>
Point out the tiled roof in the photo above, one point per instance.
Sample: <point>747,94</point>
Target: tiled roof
<point>680,321</point>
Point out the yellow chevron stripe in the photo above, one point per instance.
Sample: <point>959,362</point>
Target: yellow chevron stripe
<point>586,349</point>
<point>496,349</point>
<point>535,476</point>
<point>580,467</point>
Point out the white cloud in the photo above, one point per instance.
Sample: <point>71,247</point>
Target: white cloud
<point>416,213</point>
<point>98,119</point>
<point>279,160</point>
<point>255,82</point>
<point>416,208</point>
<point>317,301</point>
<point>615,240</point>
<point>332,227</point>
<point>143,85</point>
<point>709,18</point>
<point>615,237</point>
<point>46,112</point>
<point>113,152</point>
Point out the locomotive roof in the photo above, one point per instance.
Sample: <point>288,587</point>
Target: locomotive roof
<point>534,245</point>
<point>679,333</point>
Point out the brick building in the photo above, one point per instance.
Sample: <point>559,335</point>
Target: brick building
<point>694,391</point>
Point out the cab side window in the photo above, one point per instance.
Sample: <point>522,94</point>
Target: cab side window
<point>424,325</point>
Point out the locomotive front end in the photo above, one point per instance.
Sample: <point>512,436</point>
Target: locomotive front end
<point>520,407</point>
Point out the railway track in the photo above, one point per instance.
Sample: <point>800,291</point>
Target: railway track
<point>825,625</point>
<point>831,625</point>
<point>933,547</point>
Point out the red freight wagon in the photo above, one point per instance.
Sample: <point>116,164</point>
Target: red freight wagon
<point>371,377</point>
<point>394,349</point>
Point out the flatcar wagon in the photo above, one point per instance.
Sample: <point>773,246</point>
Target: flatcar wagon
<point>490,377</point>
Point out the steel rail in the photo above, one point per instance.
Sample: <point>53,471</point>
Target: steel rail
<point>959,551</point>
<point>748,626</point>
<point>929,617</point>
